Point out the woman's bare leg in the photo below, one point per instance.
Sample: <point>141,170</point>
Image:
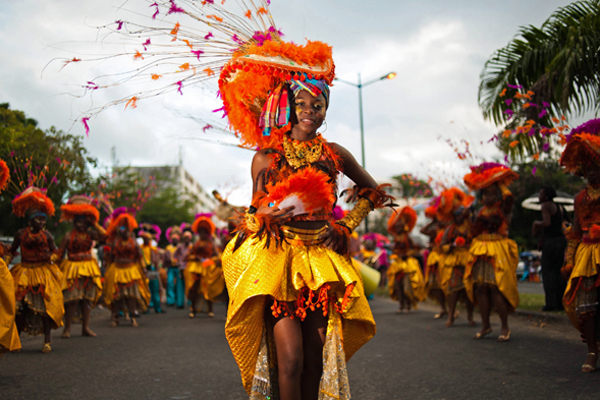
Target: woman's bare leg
<point>86,311</point>
<point>588,327</point>
<point>287,334</point>
<point>452,300</point>
<point>314,331</point>
<point>485,307</point>
<point>503,308</point>
<point>47,328</point>
<point>400,294</point>
<point>70,309</point>
<point>193,296</point>
<point>131,306</point>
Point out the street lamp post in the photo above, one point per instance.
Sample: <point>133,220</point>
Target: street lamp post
<point>360,85</point>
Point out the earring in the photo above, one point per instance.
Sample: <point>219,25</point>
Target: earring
<point>325,122</point>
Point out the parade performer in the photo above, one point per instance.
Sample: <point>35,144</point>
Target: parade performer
<point>490,274</point>
<point>152,262</point>
<point>582,157</point>
<point>9,334</point>
<point>175,286</point>
<point>125,280</point>
<point>405,279</point>
<point>282,261</point>
<point>81,283</point>
<point>454,206</point>
<point>181,256</point>
<point>204,275</point>
<point>435,258</point>
<point>37,278</point>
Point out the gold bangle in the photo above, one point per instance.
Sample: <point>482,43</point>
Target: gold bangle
<point>354,218</point>
<point>252,223</point>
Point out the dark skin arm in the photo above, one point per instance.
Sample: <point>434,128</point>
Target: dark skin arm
<point>62,248</point>
<point>548,208</point>
<point>16,242</point>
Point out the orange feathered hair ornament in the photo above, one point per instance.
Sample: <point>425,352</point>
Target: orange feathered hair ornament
<point>205,221</point>
<point>119,216</point>
<point>32,198</point>
<point>410,218</point>
<point>258,68</point>
<point>486,174</point>
<point>450,200</point>
<point>4,175</point>
<point>308,189</point>
<point>79,205</point>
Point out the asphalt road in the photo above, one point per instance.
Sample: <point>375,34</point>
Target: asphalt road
<point>412,357</point>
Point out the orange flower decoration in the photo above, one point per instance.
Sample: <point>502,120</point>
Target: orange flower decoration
<point>4,175</point>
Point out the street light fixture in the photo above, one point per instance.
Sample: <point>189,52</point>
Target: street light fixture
<point>360,85</point>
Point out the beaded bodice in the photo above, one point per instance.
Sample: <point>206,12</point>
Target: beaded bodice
<point>35,246</point>
<point>79,243</point>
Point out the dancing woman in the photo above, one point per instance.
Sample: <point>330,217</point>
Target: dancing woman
<point>455,244</point>
<point>9,334</point>
<point>37,278</point>
<point>204,275</point>
<point>491,272</point>
<point>405,279</point>
<point>581,156</point>
<point>125,280</point>
<point>81,283</point>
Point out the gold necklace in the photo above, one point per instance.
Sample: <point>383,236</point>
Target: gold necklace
<point>593,193</point>
<point>299,153</point>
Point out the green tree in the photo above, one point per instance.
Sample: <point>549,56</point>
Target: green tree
<point>412,186</point>
<point>25,147</point>
<point>558,62</point>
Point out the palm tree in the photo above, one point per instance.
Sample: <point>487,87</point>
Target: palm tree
<point>559,62</point>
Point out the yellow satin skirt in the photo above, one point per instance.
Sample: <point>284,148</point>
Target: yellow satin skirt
<point>255,275</point>
<point>503,254</point>
<point>409,269</point>
<point>9,336</point>
<point>435,260</point>
<point>453,268</point>
<point>210,276</point>
<point>81,280</point>
<point>587,260</point>
<point>126,280</point>
<point>38,286</point>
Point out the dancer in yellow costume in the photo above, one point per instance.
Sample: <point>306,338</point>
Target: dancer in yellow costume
<point>9,335</point>
<point>405,279</point>
<point>37,278</point>
<point>204,275</point>
<point>81,283</point>
<point>491,273</point>
<point>125,278</point>
<point>582,258</point>
<point>455,244</point>
<point>435,259</point>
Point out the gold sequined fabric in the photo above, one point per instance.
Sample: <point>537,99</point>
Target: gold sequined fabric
<point>452,270</point>
<point>210,276</point>
<point>9,336</point>
<point>38,285</point>
<point>435,260</point>
<point>585,270</point>
<point>81,280</point>
<point>503,254</point>
<point>409,269</point>
<point>254,274</point>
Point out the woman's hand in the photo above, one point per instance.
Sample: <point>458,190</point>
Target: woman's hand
<point>335,239</point>
<point>275,213</point>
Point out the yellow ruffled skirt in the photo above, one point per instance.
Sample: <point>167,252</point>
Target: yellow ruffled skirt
<point>435,260</point>
<point>126,280</point>
<point>256,275</point>
<point>210,276</point>
<point>37,285</point>
<point>409,272</point>
<point>9,336</point>
<point>81,280</point>
<point>587,260</point>
<point>452,270</point>
<point>502,254</point>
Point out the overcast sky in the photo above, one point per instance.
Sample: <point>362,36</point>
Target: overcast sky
<point>437,47</point>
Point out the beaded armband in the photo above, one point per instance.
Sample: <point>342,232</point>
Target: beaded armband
<point>367,199</point>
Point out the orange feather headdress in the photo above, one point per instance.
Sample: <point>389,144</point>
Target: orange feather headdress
<point>4,175</point>
<point>32,199</point>
<point>120,216</point>
<point>486,174</point>
<point>79,205</point>
<point>450,201</point>
<point>583,146</point>
<point>203,220</point>
<point>409,216</point>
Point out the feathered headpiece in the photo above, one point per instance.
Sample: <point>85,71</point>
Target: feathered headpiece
<point>203,220</point>
<point>450,201</point>
<point>583,146</point>
<point>408,215</point>
<point>32,199</point>
<point>152,230</point>
<point>79,205</point>
<point>431,209</point>
<point>486,174</point>
<point>173,231</point>
<point>118,217</point>
<point>194,41</point>
<point>4,175</point>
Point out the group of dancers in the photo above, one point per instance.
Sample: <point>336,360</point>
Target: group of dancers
<point>51,284</point>
<point>297,309</point>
